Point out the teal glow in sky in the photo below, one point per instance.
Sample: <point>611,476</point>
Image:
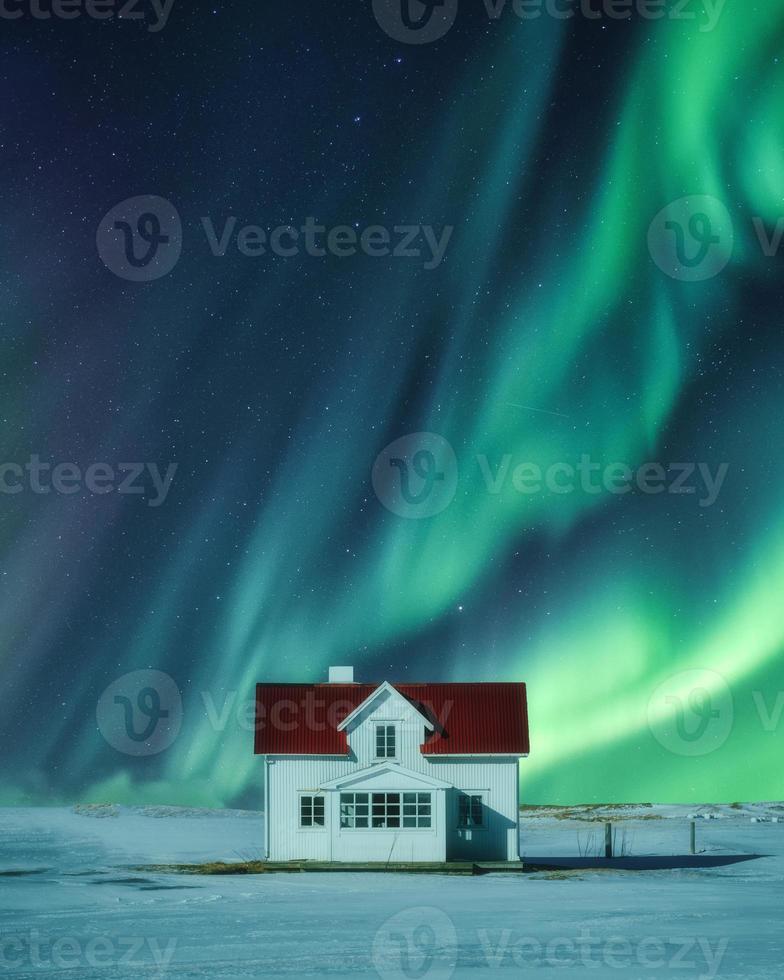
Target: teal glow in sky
<point>548,333</point>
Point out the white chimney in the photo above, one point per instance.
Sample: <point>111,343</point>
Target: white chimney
<point>341,675</point>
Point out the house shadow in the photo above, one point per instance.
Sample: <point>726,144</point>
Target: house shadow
<point>642,863</point>
<point>486,842</point>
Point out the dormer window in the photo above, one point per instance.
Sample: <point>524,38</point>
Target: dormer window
<point>386,742</point>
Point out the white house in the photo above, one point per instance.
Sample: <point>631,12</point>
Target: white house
<point>391,772</point>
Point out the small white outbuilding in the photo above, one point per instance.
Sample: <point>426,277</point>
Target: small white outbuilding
<point>391,772</point>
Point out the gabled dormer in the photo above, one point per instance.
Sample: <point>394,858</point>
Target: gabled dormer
<point>386,728</point>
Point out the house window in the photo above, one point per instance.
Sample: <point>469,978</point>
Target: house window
<point>385,742</point>
<point>311,811</point>
<point>416,809</point>
<point>470,812</point>
<point>386,810</point>
<point>382,811</point>
<point>354,809</point>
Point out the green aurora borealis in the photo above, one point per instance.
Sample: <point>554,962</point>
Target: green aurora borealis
<point>548,333</point>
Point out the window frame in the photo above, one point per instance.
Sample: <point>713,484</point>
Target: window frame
<point>423,800</point>
<point>472,795</point>
<point>388,726</point>
<point>385,811</point>
<point>358,799</point>
<point>313,826</point>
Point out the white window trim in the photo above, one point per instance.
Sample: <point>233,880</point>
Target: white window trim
<point>432,829</point>
<point>483,794</point>
<point>314,828</point>
<point>386,723</point>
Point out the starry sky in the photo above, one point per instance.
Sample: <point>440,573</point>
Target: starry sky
<point>273,383</point>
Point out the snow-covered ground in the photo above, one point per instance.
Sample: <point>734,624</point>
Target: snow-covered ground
<point>71,905</point>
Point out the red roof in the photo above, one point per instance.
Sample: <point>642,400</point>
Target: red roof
<point>303,719</point>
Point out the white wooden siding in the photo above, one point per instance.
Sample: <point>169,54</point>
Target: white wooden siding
<point>495,778</point>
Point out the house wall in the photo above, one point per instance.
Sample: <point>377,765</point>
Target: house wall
<point>288,778</point>
<point>495,778</point>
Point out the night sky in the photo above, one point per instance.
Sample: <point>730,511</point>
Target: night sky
<point>551,330</point>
